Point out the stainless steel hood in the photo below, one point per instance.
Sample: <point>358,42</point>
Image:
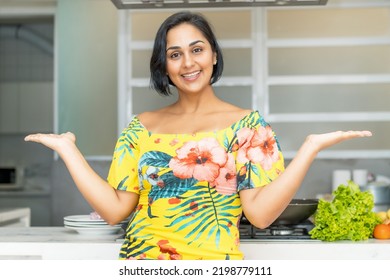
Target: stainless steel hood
<point>166,4</point>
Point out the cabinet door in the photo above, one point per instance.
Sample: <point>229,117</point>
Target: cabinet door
<point>26,107</point>
<point>9,108</point>
<point>36,107</point>
<point>87,80</point>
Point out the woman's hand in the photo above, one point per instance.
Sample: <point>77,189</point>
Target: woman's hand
<point>263,205</point>
<point>113,205</point>
<point>55,142</point>
<point>323,141</point>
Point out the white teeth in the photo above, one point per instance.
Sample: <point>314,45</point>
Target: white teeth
<point>191,75</point>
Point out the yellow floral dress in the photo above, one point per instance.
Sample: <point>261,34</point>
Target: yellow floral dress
<point>188,185</point>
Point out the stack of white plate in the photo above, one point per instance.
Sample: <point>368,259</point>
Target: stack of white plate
<point>85,224</point>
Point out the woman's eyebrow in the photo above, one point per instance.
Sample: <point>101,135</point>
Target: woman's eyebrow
<point>191,44</point>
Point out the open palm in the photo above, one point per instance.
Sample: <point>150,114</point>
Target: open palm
<point>325,140</point>
<point>52,141</point>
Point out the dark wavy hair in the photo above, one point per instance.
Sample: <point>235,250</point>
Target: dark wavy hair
<point>159,79</point>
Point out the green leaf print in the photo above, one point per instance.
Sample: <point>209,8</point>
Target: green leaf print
<point>124,147</point>
<point>170,186</point>
<point>250,121</point>
<point>133,245</point>
<point>156,159</point>
<point>121,185</point>
<point>173,186</point>
<point>128,139</point>
<point>204,220</point>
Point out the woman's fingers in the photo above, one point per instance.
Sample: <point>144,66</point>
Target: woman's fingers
<point>33,137</point>
<point>322,141</point>
<point>53,141</point>
<point>346,135</point>
<point>38,137</point>
<point>364,133</point>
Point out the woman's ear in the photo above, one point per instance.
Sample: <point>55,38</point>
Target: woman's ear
<point>215,58</point>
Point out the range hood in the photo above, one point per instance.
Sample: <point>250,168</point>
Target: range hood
<point>161,4</point>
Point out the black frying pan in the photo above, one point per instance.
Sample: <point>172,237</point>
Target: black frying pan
<point>297,211</point>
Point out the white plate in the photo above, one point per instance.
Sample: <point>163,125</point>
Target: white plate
<point>85,223</point>
<point>95,231</point>
<point>86,219</point>
<point>74,224</point>
<point>83,218</point>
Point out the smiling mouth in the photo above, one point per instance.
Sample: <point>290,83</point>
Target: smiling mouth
<point>191,75</point>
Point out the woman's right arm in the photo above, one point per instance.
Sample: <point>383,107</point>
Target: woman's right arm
<point>111,204</point>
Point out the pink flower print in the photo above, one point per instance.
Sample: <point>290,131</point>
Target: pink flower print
<point>257,146</point>
<point>226,182</point>
<point>244,136</point>
<point>166,248</point>
<point>200,160</point>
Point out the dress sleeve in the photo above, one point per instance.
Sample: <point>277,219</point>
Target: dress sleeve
<point>259,159</point>
<point>123,172</point>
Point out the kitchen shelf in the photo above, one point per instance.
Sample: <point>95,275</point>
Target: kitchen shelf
<point>330,117</point>
<point>345,154</point>
<point>328,79</point>
<point>327,42</point>
<point>315,43</point>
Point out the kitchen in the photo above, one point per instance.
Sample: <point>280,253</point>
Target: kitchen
<point>88,79</point>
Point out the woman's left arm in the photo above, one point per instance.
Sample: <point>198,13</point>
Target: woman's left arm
<point>263,205</point>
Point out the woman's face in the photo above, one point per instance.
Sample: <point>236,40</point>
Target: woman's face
<point>190,58</point>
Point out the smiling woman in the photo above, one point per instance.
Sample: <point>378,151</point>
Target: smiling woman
<point>188,171</point>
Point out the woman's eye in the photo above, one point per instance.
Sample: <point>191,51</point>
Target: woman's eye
<point>197,50</point>
<point>174,55</point>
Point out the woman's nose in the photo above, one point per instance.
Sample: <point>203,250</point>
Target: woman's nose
<point>188,60</point>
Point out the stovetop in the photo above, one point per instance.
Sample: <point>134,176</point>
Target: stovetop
<point>292,232</point>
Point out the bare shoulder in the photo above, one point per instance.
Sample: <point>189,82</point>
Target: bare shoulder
<point>233,113</point>
<point>149,118</point>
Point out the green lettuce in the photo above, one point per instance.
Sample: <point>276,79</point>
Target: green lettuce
<point>349,216</point>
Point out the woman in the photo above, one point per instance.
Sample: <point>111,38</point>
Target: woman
<point>189,170</point>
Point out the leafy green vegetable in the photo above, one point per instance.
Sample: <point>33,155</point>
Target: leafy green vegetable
<point>348,216</point>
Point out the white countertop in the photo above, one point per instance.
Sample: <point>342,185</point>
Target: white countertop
<point>65,244</point>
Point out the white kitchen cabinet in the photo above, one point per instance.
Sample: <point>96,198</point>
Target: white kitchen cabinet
<point>331,74</point>
<point>87,76</point>
<point>307,70</point>
<point>26,107</point>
